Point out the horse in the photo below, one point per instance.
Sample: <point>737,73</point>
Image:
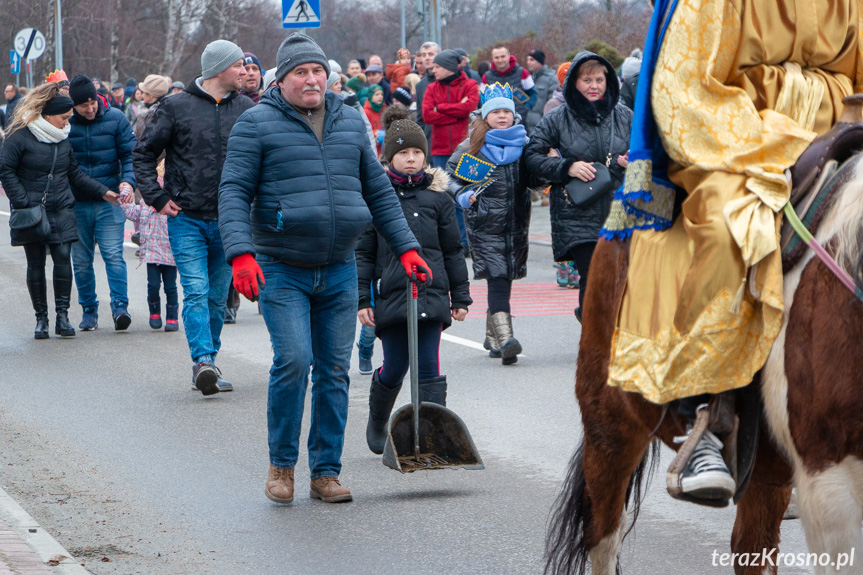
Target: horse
<point>811,431</point>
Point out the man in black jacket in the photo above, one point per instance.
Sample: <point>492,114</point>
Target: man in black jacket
<point>12,99</point>
<point>300,186</point>
<point>192,128</point>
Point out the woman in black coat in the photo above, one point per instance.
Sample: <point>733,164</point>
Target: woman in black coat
<point>430,213</point>
<point>490,180</point>
<point>39,130</point>
<point>566,143</point>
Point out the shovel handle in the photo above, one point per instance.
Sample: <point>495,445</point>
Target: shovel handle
<point>414,281</point>
<point>413,357</point>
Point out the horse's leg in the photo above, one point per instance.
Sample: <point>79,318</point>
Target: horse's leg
<point>760,510</point>
<point>830,510</point>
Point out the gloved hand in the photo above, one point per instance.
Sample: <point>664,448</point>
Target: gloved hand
<point>247,276</point>
<point>412,258</point>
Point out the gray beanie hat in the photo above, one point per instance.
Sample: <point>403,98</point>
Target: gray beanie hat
<point>296,50</point>
<point>218,57</point>
<point>448,59</point>
<point>334,77</point>
<point>269,77</point>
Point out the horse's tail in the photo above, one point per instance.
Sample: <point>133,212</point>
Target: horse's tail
<point>564,545</point>
<point>565,549</point>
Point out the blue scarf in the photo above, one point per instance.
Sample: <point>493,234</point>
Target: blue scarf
<point>504,146</point>
<point>646,199</point>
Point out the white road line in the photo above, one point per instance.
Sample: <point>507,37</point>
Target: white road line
<point>7,214</point>
<point>466,342</point>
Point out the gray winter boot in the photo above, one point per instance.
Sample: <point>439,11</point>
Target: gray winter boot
<point>509,346</point>
<point>381,400</point>
<point>433,390</point>
<point>490,342</point>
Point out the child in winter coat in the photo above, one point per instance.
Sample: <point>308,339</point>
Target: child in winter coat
<point>430,212</point>
<point>396,73</point>
<point>156,253</point>
<point>374,109</point>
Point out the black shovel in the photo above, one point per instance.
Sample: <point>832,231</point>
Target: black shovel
<point>426,435</point>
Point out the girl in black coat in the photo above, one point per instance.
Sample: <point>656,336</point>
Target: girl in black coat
<point>591,127</point>
<point>430,213</point>
<point>39,129</point>
<point>490,181</point>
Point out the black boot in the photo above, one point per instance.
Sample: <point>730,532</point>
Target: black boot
<point>39,296</point>
<point>62,292</point>
<point>433,390</point>
<point>381,400</point>
<point>171,322</point>
<point>155,314</point>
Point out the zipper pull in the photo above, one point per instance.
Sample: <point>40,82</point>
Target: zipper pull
<point>311,118</point>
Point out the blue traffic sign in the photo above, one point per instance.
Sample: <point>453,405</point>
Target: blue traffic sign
<point>14,62</point>
<point>301,13</point>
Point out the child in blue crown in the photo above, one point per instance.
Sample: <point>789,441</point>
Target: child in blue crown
<point>490,181</point>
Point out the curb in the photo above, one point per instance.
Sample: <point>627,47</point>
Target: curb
<point>39,540</point>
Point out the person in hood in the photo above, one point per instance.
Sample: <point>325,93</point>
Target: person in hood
<point>299,187</point>
<point>102,140</point>
<point>192,129</point>
<point>592,126</point>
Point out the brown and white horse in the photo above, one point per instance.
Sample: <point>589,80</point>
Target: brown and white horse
<point>812,387</point>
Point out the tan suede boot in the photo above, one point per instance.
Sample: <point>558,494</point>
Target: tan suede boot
<point>329,489</point>
<point>280,485</point>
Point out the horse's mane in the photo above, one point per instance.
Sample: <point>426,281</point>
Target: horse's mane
<point>843,225</point>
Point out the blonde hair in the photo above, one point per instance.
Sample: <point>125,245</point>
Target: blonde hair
<point>478,129</point>
<point>30,108</point>
<point>411,81</point>
<point>590,67</point>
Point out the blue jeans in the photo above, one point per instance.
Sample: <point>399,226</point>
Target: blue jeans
<point>204,275</point>
<point>99,223</point>
<point>440,162</point>
<point>310,314</point>
<point>366,343</point>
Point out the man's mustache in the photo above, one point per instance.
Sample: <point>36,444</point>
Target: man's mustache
<point>314,88</point>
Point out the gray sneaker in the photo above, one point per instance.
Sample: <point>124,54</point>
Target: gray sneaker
<point>223,384</point>
<point>206,377</point>
<point>706,476</point>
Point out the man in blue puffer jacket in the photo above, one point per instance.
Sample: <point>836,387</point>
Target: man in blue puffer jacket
<point>102,140</point>
<point>299,186</point>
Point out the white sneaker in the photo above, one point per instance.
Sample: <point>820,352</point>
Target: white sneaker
<point>706,476</point>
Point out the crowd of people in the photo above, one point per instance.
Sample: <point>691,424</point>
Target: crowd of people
<point>315,190</point>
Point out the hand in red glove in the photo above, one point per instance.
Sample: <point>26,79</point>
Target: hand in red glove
<point>247,276</point>
<point>412,258</point>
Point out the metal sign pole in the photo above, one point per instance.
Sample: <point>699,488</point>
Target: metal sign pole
<point>58,35</point>
<point>404,41</point>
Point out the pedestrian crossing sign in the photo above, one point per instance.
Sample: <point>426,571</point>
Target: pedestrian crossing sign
<point>301,13</point>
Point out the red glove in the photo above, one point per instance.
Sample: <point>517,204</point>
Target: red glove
<point>412,258</point>
<point>247,275</point>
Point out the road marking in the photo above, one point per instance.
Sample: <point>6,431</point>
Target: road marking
<point>7,214</point>
<point>467,342</point>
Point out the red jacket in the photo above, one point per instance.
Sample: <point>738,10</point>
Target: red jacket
<point>375,120</point>
<point>445,112</point>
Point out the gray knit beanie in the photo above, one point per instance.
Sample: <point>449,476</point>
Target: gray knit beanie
<point>448,59</point>
<point>218,57</point>
<point>296,50</point>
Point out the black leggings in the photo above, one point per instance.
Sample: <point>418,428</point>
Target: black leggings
<point>36,283</point>
<point>499,292</point>
<point>581,255</point>
<point>394,340</point>
<point>161,274</point>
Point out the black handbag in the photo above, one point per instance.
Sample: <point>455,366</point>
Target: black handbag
<point>582,194</point>
<point>31,225</point>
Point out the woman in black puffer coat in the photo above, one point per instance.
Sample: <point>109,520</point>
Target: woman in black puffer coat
<point>41,127</point>
<point>430,213</point>
<point>496,211</point>
<point>564,146</point>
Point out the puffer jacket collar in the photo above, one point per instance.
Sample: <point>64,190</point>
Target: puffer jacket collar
<point>593,112</point>
<point>434,179</point>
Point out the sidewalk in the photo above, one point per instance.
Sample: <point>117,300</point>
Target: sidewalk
<point>26,548</point>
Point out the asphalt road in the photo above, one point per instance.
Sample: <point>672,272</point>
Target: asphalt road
<point>106,446</point>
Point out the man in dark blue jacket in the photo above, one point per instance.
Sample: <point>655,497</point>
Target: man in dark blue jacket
<point>299,186</point>
<point>103,141</point>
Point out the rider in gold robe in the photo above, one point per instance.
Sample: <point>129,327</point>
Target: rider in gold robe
<point>739,89</point>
